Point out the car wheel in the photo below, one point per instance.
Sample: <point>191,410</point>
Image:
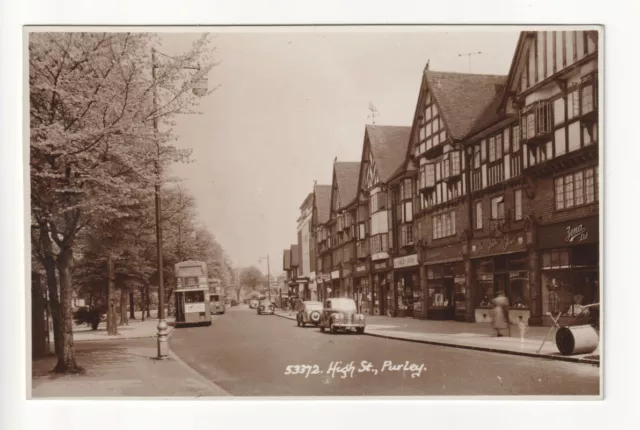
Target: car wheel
<point>334,330</point>
<point>360,330</point>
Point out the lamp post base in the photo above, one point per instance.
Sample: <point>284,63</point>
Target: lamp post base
<point>163,340</point>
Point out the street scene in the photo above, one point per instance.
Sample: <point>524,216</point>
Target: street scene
<point>319,223</point>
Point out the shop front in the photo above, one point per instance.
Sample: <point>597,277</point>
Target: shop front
<point>334,289</point>
<point>381,291</point>
<point>346,286</point>
<point>361,288</point>
<point>500,266</point>
<point>324,284</point>
<point>447,287</point>
<point>569,258</point>
<point>407,286</point>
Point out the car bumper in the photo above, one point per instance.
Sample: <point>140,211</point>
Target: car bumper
<point>348,325</point>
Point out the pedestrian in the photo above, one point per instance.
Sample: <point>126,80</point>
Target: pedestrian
<point>500,311</point>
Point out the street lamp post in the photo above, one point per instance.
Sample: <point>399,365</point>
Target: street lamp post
<point>199,89</point>
<point>268,276</point>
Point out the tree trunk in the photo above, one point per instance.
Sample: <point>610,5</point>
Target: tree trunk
<point>143,300</point>
<point>132,306</point>
<point>49,264</point>
<point>112,323</point>
<point>148,300</point>
<point>123,307</point>
<point>67,358</point>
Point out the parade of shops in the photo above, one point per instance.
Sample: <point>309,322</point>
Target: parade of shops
<point>493,189</point>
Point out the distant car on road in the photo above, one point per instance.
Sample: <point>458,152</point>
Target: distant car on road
<point>254,303</point>
<point>309,313</point>
<point>234,303</point>
<point>341,314</point>
<point>216,304</point>
<point>266,307</point>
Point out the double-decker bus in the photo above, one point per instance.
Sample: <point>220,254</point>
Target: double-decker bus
<point>192,294</point>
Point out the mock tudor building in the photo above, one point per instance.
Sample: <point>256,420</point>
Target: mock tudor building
<point>553,91</point>
<point>383,154</point>
<point>494,189</point>
<point>319,217</point>
<point>340,227</point>
<point>507,174</point>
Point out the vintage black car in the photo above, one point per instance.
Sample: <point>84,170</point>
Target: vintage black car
<point>309,313</point>
<point>341,314</point>
<point>266,307</point>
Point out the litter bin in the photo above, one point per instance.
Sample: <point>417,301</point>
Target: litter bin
<point>581,339</point>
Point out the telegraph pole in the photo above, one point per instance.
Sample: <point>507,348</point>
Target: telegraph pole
<point>469,57</point>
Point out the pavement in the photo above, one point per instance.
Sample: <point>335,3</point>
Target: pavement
<point>250,355</point>
<point>135,329</point>
<point>120,368</point>
<point>476,336</point>
<point>122,365</point>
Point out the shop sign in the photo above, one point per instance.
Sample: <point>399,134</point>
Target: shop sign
<point>361,268</point>
<point>406,261</point>
<point>380,266</point>
<point>335,274</point>
<point>445,253</point>
<point>585,231</point>
<point>507,243</point>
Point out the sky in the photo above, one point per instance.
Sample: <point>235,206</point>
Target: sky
<point>291,100</point>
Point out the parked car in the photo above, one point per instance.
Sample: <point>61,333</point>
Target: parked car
<point>216,304</point>
<point>309,313</point>
<point>234,303</point>
<point>341,314</point>
<point>266,307</point>
<point>254,303</point>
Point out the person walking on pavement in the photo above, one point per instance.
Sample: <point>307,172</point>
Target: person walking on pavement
<point>500,311</point>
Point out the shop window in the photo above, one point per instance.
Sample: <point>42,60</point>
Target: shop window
<point>438,297</point>
<point>567,291</point>
<point>485,288</point>
<point>518,293</point>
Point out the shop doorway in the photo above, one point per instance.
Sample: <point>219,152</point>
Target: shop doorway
<point>501,284</point>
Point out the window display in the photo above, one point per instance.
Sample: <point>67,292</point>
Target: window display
<point>438,297</point>
<point>460,292</point>
<point>570,280</point>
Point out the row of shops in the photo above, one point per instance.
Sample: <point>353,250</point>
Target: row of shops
<point>541,270</point>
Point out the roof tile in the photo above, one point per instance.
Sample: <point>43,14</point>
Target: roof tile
<point>388,147</point>
<point>463,97</point>
<point>347,175</point>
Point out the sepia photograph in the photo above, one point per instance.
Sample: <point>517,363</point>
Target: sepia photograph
<point>314,212</point>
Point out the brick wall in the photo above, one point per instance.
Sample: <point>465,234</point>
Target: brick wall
<point>543,202</point>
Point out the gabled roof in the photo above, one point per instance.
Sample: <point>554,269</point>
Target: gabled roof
<point>388,146</point>
<point>492,114</point>
<point>462,97</point>
<point>346,175</point>
<point>322,202</point>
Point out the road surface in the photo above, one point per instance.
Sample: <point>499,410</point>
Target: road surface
<point>248,355</point>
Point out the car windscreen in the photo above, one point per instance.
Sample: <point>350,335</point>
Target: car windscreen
<point>344,305</point>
